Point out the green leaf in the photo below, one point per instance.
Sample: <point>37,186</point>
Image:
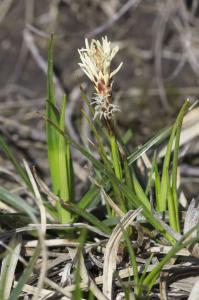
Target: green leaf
<point>125,189</point>
<point>156,140</point>
<point>165,177</point>
<point>174,177</point>
<point>140,192</point>
<point>142,277</point>
<point>157,186</point>
<point>8,267</point>
<point>77,293</point>
<point>18,203</point>
<point>174,223</point>
<point>101,149</point>
<point>25,276</point>
<point>151,175</point>
<point>88,197</point>
<point>52,114</point>
<point>20,171</point>
<point>132,258</point>
<point>116,157</point>
<point>55,111</point>
<point>184,242</point>
<point>64,159</point>
<point>87,216</point>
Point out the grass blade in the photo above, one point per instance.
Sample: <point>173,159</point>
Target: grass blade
<point>87,216</point>
<point>52,134</point>
<point>140,192</point>
<point>150,279</point>
<point>64,174</point>
<point>25,276</point>
<point>8,267</point>
<point>174,176</point>
<point>111,251</point>
<point>19,169</point>
<point>17,202</point>
<point>156,140</point>
<point>88,197</point>
<point>116,157</point>
<point>165,177</point>
<point>125,189</point>
<point>157,186</point>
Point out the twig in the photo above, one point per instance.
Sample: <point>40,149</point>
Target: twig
<point>115,18</point>
<point>4,8</point>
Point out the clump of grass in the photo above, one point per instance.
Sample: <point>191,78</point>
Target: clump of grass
<point>115,183</point>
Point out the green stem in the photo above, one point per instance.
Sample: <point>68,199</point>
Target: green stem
<point>117,169</point>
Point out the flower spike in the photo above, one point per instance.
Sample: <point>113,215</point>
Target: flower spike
<point>96,60</point>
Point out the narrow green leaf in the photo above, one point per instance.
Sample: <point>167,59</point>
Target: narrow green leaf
<point>165,178</point>
<point>8,267</point>
<point>87,216</point>
<point>146,212</point>
<point>17,202</point>
<point>52,134</point>
<point>116,161</point>
<point>156,140</point>
<point>116,157</point>
<point>101,149</point>
<point>151,175</point>
<point>132,258</point>
<point>20,171</point>
<point>64,185</point>
<point>157,186</point>
<point>77,294</point>
<point>25,276</point>
<point>55,111</point>
<point>140,192</point>
<point>141,287</point>
<point>70,173</point>
<point>173,221</point>
<point>174,176</point>
<point>88,197</point>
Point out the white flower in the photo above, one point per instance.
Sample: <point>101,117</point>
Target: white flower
<point>96,61</point>
<point>104,108</point>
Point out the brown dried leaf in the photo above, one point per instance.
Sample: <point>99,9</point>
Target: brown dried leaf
<point>112,246</point>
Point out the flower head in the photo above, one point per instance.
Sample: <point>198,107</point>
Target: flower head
<point>96,61</point>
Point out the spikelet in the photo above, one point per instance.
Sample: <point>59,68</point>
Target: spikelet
<point>96,60</point>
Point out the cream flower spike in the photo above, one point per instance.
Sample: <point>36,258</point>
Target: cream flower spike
<point>96,60</point>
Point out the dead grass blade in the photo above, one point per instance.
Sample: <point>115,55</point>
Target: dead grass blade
<point>4,8</point>
<point>111,251</point>
<point>192,219</point>
<point>107,198</point>
<point>29,289</point>
<point>32,227</point>
<point>194,295</point>
<point>112,204</point>
<point>41,233</point>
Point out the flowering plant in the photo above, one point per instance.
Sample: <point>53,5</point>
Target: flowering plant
<point>96,61</point>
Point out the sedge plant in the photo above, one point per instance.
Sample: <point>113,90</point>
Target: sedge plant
<point>113,169</point>
<point>96,62</point>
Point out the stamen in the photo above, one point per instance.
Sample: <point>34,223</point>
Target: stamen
<point>96,60</point>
